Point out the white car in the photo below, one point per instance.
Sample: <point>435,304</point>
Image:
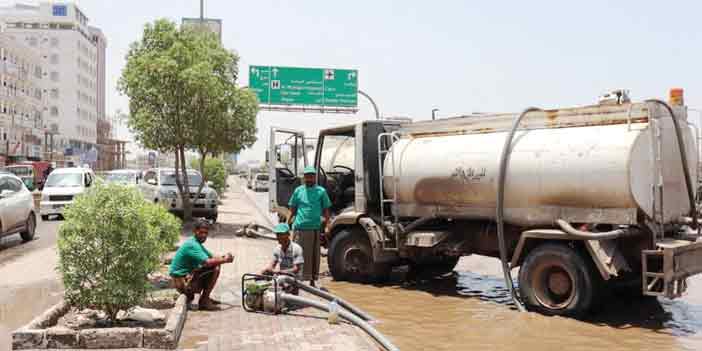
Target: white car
<point>61,187</point>
<point>123,176</point>
<point>16,208</point>
<point>159,186</point>
<point>261,182</point>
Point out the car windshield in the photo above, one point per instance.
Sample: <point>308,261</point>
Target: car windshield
<point>168,178</point>
<point>121,177</point>
<point>63,180</point>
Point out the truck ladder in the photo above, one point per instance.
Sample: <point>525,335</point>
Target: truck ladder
<point>390,139</point>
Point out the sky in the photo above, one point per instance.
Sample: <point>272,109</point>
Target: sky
<point>457,56</point>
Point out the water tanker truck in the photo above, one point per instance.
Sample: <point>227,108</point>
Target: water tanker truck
<point>583,200</point>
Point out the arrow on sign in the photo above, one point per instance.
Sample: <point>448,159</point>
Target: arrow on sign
<point>275,72</point>
<point>351,75</point>
<point>254,71</point>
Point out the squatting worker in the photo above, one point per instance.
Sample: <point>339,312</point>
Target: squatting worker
<point>307,204</point>
<point>287,256</point>
<point>195,270</point>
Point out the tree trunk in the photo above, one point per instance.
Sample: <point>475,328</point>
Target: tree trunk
<point>187,204</point>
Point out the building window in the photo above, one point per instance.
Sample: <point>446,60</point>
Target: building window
<point>54,93</point>
<point>54,42</point>
<point>54,59</point>
<point>33,41</point>
<point>54,111</point>
<point>60,10</point>
<point>55,76</point>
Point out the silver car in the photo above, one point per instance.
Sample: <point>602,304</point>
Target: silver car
<point>123,176</point>
<point>159,186</point>
<point>17,214</point>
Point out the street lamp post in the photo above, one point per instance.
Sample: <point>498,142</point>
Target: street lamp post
<point>433,113</point>
<point>202,12</point>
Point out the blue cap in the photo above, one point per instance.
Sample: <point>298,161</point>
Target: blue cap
<point>282,228</point>
<point>309,170</point>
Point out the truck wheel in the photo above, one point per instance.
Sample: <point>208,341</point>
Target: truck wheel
<point>31,226</point>
<point>558,280</point>
<point>45,218</point>
<point>350,258</point>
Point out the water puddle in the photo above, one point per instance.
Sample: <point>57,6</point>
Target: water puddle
<point>21,304</point>
<point>473,310</point>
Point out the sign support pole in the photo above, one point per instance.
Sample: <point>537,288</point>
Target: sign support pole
<point>375,107</point>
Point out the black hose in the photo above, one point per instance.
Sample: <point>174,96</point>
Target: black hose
<point>504,161</point>
<point>683,157</point>
<point>375,334</point>
<point>579,234</point>
<point>325,295</point>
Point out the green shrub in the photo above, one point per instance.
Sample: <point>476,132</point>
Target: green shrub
<point>111,240</point>
<point>169,226</point>
<point>215,172</point>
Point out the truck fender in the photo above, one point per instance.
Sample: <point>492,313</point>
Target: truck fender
<point>375,236</point>
<point>604,253</point>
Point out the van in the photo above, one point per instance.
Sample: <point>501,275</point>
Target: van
<point>61,187</point>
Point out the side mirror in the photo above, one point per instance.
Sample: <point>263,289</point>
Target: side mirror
<point>151,181</point>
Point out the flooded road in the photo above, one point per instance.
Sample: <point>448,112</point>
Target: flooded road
<point>28,280</point>
<point>472,310</point>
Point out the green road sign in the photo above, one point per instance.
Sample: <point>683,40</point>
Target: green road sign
<point>304,86</point>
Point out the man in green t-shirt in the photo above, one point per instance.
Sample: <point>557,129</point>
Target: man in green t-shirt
<point>307,205</point>
<point>195,270</point>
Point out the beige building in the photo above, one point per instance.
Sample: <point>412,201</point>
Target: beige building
<point>72,55</point>
<point>22,100</point>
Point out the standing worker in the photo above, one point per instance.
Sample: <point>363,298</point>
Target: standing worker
<point>307,204</point>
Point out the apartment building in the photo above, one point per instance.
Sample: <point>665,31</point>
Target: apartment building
<point>22,101</point>
<point>72,55</point>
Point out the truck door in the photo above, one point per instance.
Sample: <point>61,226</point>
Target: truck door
<point>287,158</point>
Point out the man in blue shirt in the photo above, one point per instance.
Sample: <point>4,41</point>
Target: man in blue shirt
<point>307,205</point>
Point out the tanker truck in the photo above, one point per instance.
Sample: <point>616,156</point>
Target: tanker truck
<point>582,200</point>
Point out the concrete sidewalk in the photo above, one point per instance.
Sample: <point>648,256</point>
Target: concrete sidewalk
<point>235,329</point>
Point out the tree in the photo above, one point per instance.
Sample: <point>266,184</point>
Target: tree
<point>215,171</point>
<point>111,240</point>
<point>182,91</point>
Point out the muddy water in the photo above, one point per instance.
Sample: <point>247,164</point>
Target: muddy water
<point>21,304</point>
<point>472,311</point>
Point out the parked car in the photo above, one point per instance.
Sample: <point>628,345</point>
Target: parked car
<point>123,176</point>
<point>261,182</point>
<point>17,213</point>
<point>61,187</point>
<point>159,186</point>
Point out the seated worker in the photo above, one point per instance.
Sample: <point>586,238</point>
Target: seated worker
<point>287,255</point>
<point>195,270</point>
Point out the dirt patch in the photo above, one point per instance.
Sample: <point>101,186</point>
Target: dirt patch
<point>75,319</point>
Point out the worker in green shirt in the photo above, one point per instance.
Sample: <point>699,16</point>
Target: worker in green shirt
<point>195,270</point>
<point>307,205</point>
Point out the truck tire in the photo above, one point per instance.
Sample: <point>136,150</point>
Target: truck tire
<point>558,280</point>
<point>350,258</point>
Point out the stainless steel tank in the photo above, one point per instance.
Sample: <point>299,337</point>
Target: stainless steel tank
<point>595,165</point>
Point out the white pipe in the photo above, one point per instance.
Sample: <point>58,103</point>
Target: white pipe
<point>375,334</point>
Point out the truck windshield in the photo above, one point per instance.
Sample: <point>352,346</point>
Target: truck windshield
<point>337,150</point>
<point>20,171</point>
<point>262,177</point>
<point>64,180</point>
<point>169,178</point>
